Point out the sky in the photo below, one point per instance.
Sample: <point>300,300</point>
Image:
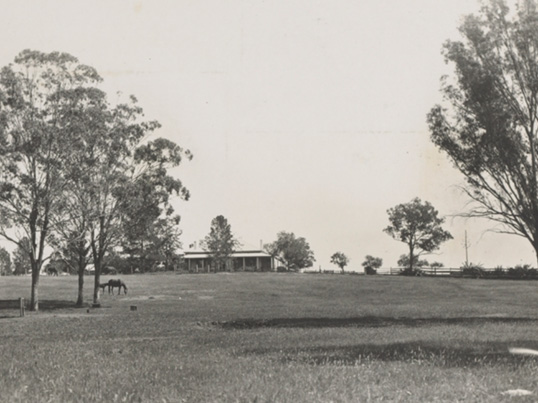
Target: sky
<point>303,116</point>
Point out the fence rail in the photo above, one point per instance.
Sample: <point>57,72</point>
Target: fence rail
<point>473,272</point>
<point>428,271</point>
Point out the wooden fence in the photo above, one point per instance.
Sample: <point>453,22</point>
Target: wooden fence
<point>427,271</point>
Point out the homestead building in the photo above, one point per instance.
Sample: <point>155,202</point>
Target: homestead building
<point>244,260</point>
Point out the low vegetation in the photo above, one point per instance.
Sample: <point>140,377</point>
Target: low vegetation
<point>271,337</point>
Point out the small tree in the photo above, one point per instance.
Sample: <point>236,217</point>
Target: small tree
<point>371,264</point>
<point>417,224</point>
<point>340,260</point>
<point>294,252</point>
<point>220,243</point>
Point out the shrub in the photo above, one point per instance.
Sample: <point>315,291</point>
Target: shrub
<point>370,270</point>
<point>371,264</point>
<point>473,270</point>
<point>498,272</point>
<point>522,271</point>
<point>411,272</point>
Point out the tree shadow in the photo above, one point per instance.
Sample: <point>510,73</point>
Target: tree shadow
<point>453,356</point>
<point>44,305</point>
<point>9,304</point>
<point>366,321</point>
<point>54,304</point>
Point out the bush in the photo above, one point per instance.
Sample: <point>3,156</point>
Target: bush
<point>499,272</point>
<point>473,270</point>
<point>370,270</point>
<point>522,271</point>
<point>371,264</point>
<point>411,272</point>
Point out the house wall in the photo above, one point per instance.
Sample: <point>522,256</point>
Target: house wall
<point>249,263</point>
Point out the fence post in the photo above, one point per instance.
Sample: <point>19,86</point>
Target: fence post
<point>21,306</point>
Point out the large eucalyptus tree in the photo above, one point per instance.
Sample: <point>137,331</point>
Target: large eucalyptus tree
<point>488,125</point>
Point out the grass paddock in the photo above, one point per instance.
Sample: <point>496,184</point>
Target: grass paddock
<point>270,337</point>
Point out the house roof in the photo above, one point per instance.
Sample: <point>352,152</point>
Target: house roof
<point>240,253</point>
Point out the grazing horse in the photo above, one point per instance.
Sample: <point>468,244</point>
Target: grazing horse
<point>117,283</point>
<point>52,271</point>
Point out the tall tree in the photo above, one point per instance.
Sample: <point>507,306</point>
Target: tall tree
<point>294,252</point>
<point>220,243</point>
<point>33,149</point>
<point>418,225</point>
<point>340,259</point>
<point>5,262</point>
<point>151,228</point>
<point>119,160</point>
<point>488,125</point>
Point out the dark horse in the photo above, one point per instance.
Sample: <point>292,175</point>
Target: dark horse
<point>52,271</point>
<point>116,283</point>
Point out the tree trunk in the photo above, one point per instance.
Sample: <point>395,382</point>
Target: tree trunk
<point>80,299</point>
<point>96,289</point>
<point>411,258</point>
<point>34,301</point>
<point>535,245</point>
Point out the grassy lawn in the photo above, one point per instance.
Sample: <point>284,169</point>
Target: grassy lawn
<point>271,338</point>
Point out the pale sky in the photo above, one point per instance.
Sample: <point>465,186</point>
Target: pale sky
<point>303,116</point>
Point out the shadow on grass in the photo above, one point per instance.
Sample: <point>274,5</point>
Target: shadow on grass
<point>366,321</point>
<point>52,305</point>
<point>44,305</point>
<point>454,356</point>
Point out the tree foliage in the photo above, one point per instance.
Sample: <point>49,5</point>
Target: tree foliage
<point>151,232</point>
<point>371,264</point>
<point>5,262</point>
<point>340,259</point>
<point>417,224</point>
<point>405,263</point>
<point>294,251</point>
<point>220,243</point>
<point>488,125</point>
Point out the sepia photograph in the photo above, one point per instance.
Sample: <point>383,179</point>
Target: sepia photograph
<point>269,201</point>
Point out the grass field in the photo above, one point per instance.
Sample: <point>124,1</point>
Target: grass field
<point>270,337</point>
